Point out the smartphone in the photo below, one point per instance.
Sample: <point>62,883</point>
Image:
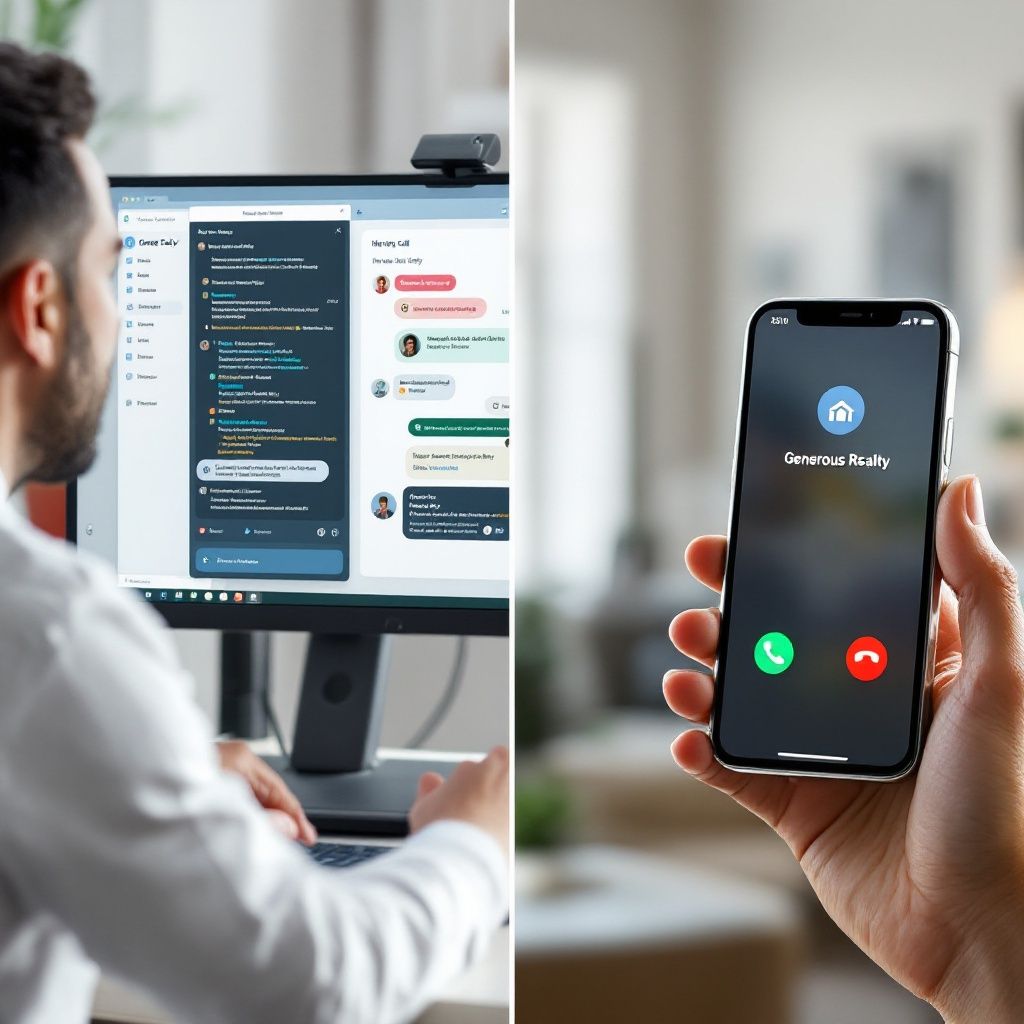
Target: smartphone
<point>830,601</point>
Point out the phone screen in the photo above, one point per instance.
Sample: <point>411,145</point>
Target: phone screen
<point>828,581</point>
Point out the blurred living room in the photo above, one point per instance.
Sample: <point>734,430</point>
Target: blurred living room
<point>678,163</point>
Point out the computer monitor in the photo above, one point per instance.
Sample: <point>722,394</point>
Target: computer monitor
<point>307,428</point>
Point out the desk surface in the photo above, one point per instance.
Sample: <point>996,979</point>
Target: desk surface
<point>480,996</point>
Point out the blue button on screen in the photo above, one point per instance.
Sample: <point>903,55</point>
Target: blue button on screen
<point>841,410</point>
<point>270,561</point>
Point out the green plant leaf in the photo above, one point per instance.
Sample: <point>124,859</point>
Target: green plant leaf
<point>6,9</point>
<point>543,812</point>
<point>54,23</point>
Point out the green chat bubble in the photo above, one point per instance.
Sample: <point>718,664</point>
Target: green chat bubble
<point>452,345</point>
<point>459,428</point>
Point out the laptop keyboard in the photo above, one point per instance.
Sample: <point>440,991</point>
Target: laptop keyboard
<point>343,855</point>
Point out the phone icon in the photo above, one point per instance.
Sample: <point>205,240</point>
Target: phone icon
<point>866,658</point>
<point>861,655</point>
<point>773,653</point>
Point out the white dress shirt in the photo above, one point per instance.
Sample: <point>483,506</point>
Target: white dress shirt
<point>124,847</point>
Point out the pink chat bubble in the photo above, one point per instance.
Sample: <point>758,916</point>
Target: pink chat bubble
<point>440,309</point>
<point>425,282</point>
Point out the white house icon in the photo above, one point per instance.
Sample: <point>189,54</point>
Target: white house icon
<point>841,412</point>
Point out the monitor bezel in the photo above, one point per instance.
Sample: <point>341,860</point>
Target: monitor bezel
<point>317,618</point>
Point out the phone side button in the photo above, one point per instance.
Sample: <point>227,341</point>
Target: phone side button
<point>947,444</point>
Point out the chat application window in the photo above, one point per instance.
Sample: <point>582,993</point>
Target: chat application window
<point>312,395</point>
<point>434,400</point>
<point>269,358</point>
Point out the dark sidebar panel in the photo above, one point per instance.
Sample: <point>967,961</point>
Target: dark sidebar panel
<point>269,366</point>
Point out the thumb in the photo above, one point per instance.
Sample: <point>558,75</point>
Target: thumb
<point>429,781</point>
<point>991,621</point>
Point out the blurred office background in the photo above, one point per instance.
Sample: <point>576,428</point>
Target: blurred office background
<point>307,86</point>
<point>678,162</point>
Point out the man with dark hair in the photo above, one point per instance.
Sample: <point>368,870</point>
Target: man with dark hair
<point>124,842</point>
<point>45,215</point>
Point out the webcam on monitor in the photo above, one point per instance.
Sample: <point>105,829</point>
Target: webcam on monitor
<point>456,155</point>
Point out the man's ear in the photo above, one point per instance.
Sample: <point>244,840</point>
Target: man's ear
<point>35,311</point>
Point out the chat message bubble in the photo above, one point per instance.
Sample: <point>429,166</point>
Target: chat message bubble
<point>265,470</point>
<point>425,282</point>
<point>456,513</point>
<point>458,461</point>
<point>424,389</point>
<point>459,427</point>
<point>440,309</point>
<point>453,345</point>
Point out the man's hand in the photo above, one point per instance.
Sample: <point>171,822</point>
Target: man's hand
<point>476,792</point>
<point>926,874</point>
<point>269,789</point>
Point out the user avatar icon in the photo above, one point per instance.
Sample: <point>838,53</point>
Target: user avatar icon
<point>381,285</point>
<point>410,346</point>
<point>383,505</point>
<point>379,388</point>
<point>841,409</point>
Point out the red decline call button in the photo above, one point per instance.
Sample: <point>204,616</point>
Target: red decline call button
<point>866,658</point>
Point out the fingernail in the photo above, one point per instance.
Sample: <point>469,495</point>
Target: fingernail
<point>975,505</point>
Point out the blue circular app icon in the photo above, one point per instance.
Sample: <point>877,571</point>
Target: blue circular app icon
<point>841,410</point>
<point>129,242</point>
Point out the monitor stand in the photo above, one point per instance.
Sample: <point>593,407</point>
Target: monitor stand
<point>333,767</point>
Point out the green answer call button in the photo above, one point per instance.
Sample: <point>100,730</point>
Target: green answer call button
<point>484,427</point>
<point>773,653</point>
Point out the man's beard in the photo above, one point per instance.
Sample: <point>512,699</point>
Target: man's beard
<point>62,435</point>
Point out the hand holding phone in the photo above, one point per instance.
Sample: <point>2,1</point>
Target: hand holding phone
<point>829,604</point>
<point>924,873</point>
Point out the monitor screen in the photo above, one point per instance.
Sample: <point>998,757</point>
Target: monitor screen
<point>310,398</point>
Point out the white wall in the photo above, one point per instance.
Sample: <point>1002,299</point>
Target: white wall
<point>304,86</point>
<point>439,66</point>
<point>658,50</point>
